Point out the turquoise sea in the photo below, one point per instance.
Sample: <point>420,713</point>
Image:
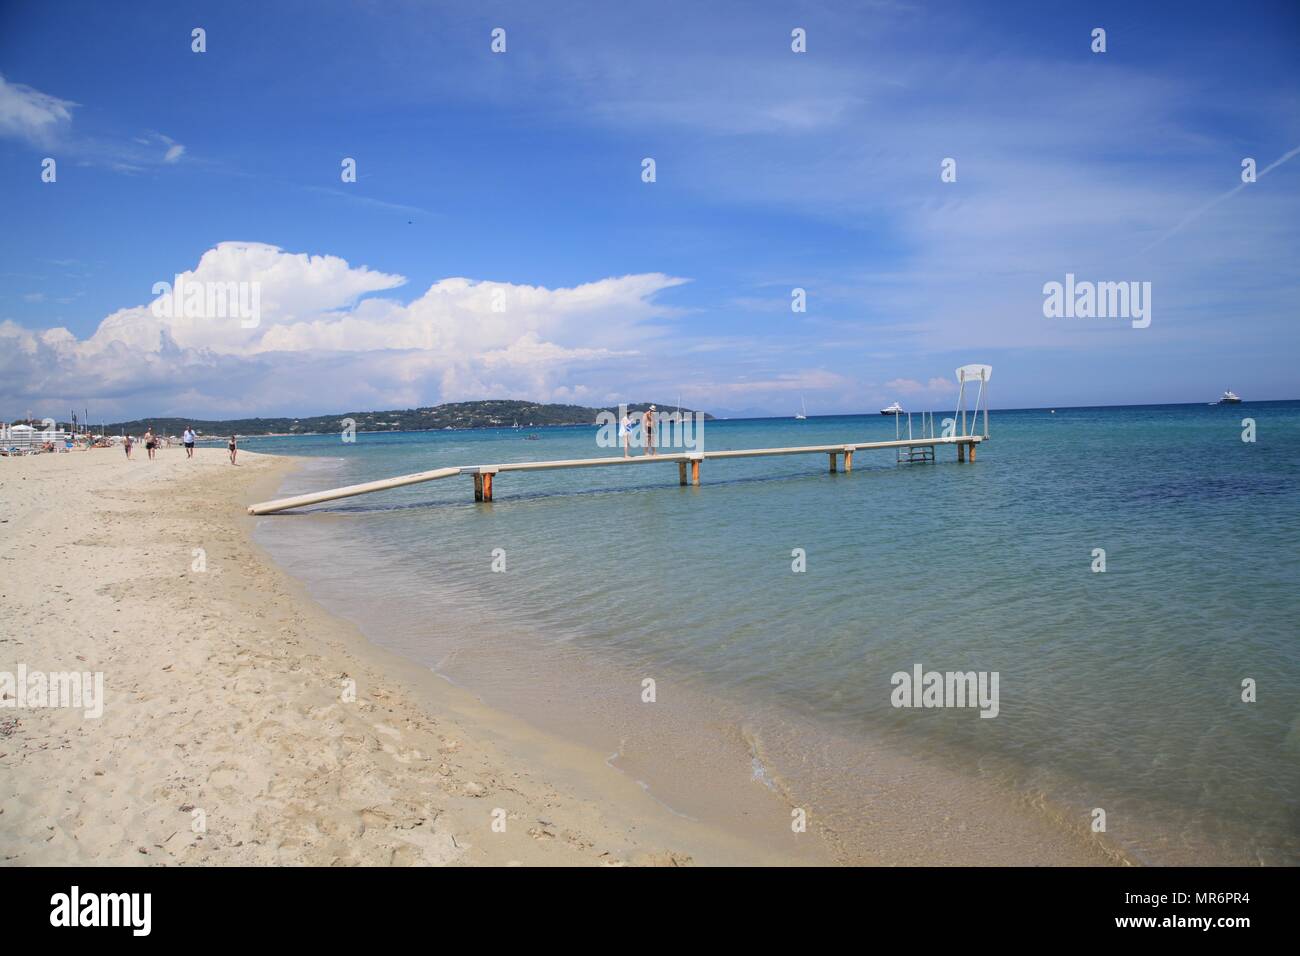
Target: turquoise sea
<point>1119,690</point>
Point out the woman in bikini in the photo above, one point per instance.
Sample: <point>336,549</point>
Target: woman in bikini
<point>234,449</point>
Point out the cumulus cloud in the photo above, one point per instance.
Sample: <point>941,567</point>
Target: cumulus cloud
<point>326,337</point>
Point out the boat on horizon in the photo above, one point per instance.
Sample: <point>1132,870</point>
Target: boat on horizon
<point>803,411</point>
<point>894,409</point>
<point>1229,398</point>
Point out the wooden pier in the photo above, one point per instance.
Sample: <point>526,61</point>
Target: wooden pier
<point>688,467</point>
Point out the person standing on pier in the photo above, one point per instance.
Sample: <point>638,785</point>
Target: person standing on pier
<point>648,427</point>
<point>625,426</point>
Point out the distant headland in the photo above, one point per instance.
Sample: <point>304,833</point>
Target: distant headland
<point>491,413</point>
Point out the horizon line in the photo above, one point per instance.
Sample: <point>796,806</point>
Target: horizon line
<point>741,418</point>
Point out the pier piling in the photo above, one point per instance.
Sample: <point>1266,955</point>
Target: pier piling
<point>483,475</point>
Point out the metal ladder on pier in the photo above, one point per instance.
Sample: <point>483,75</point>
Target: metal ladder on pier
<point>911,454</point>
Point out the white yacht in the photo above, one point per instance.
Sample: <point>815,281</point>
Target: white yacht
<point>894,409</point>
<point>803,411</point>
<point>1229,398</point>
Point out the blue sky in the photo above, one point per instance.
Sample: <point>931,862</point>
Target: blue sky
<point>519,175</point>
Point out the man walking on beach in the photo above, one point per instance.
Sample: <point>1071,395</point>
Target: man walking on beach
<point>188,439</point>
<point>150,442</point>
<point>648,428</point>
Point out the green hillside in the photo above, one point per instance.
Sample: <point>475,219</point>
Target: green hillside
<point>486,414</point>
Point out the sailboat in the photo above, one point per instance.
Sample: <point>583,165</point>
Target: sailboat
<point>803,410</point>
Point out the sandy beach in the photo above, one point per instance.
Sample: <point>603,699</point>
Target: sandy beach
<point>230,733</point>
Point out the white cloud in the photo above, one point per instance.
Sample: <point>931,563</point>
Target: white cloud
<point>327,341</point>
<point>31,115</point>
<point>787,384</point>
<point>934,387</point>
<point>45,121</point>
<point>172,154</point>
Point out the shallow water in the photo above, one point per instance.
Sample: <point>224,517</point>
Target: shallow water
<point>1118,690</point>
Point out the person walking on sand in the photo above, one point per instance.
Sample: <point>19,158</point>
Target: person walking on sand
<point>188,439</point>
<point>234,449</point>
<point>150,442</point>
<point>625,430</point>
<point>127,442</point>
<point>648,426</point>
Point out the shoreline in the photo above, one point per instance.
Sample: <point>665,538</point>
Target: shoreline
<point>223,700</point>
<point>701,755</point>
<point>412,771</point>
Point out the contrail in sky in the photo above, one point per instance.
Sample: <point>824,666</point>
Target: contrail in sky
<point>1197,213</point>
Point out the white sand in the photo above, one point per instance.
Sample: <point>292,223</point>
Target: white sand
<point>223,698</point>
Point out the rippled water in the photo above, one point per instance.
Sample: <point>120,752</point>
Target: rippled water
<point>1119,690</point>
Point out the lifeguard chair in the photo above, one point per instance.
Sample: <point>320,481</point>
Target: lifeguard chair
<point>971,373</point>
